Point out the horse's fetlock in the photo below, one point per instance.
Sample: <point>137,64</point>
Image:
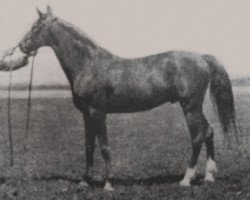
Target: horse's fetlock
<point>89,173</point>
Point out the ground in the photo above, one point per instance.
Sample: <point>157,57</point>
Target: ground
<point>150,151</point>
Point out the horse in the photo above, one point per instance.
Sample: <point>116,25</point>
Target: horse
<point>104,83</point>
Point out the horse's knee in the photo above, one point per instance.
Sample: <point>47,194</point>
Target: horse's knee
<point>105,151</point>
<point>204,136</point>
<point>96,114</point>
<point>90,148</point>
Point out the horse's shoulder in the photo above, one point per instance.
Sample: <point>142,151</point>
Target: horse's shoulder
<point>84,83</point>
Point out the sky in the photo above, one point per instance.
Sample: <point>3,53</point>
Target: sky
<point>135,28</point>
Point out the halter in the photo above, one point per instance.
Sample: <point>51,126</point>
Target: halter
<point>33,54</point>
<point>9,114</point>
<point>10,53</point>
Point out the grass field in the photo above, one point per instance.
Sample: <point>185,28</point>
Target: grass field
<point>150,151</point>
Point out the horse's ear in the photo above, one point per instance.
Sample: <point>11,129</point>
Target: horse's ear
<point>39,13</point>
<point>49,10</point>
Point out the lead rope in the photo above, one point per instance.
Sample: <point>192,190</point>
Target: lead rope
<point>10,53</point>
<point>28,109</point>
<point>9,115</point>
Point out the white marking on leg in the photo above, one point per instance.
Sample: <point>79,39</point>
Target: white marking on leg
<point>189,175</point>
<point>210,170</point>
<point>83,184</point>
<point>108,187</point>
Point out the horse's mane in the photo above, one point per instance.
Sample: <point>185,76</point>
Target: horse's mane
<point>78,34</point>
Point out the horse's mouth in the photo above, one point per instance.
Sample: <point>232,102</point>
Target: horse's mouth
<point>27,52</point>
<point>32,53</point>
<point>24,49</point>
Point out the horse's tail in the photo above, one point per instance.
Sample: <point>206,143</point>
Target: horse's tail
<point>222,97</point>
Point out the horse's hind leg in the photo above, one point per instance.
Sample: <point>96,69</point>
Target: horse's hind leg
<point>197,126</point>
<point>211,165</point>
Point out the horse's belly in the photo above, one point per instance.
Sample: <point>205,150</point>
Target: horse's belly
<point>133,107</point>
<point>134,103</point>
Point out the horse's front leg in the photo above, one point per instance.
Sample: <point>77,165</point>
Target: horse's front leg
<point>95,121</point>
<point>104,146</point>
<point>90,136</point>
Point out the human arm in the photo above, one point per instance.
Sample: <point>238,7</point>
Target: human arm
<point>13,64</point>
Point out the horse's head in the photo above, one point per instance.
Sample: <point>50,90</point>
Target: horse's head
<point>38,36</point>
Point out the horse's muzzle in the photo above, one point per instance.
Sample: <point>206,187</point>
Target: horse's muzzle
<point>22,48</point>
<point>25,47</point>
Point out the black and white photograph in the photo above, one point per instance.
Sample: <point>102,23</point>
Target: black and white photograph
<point>124,99</point>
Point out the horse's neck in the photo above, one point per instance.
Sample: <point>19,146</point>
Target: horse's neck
<point>74,51</point>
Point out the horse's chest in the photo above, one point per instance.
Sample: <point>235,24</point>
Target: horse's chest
<point>88,89</point>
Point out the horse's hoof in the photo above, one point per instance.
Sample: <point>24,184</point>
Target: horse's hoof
<point>108,187</point>
<point>185,183</point>
<point>209,177</point>
<point>211,166</point>
<point>83,184</point>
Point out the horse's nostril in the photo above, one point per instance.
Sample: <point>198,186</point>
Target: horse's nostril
<point>21,46</point>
